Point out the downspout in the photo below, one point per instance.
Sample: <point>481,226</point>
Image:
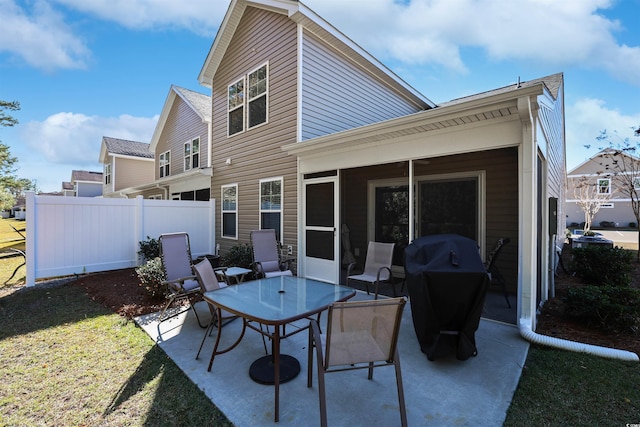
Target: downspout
<point>525,322</point>
<point>165,189</point>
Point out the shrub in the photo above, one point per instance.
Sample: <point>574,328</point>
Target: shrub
<point>601,265</point>
<point>238,256</point>
<point>607,224</point>
<point>632,225</point>
<point>149,249</point>
<point>151,275</point>
<point>613,308</point>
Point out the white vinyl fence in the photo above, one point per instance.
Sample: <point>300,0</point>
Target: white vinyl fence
<point>75,235</point>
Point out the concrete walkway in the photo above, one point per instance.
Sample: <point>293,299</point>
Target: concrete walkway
<point>475,392</point>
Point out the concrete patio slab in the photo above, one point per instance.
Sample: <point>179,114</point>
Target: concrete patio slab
<point>445,392</point>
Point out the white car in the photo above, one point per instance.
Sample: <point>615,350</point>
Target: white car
<point>578,233</point>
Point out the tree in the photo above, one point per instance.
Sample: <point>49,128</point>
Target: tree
<point>621,160</point>
<point>590,197</point>
<point>9,182</point>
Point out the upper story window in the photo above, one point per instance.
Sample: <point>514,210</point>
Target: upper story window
<point>604,186</point>
<point>271,205</point>
<point>252,99</point>
<point>192,154</point>
<point>107,174</point>
<point>636,183</point>
<point>165,164</point>
<point>230,211</point>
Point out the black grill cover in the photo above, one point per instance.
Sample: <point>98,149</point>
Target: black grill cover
<point>447,284</point>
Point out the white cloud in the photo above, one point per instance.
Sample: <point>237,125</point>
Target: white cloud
<point>561,33</point>
<point>586,119</point>
<point>67,141</point>
<point>199,16</point>
<point>40,37</point>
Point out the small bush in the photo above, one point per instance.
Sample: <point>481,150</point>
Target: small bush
<point>151,275</point>
<point>613,308</point>
<point>632,225</point>
<point>149,249</point>
<point>607,224</point>
<point>600,265</point>
<point>238,256</point>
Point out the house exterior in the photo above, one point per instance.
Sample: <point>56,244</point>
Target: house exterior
<point>599,173</point>
<point>310,132</point>
<point>84,184</point>
<point>67,189</point>
<point>126,164</point>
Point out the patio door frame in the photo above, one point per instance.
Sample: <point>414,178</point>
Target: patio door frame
<point>325,270</point>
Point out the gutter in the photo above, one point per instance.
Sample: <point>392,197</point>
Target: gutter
<point>562,344</point>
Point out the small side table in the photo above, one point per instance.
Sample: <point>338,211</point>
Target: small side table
<point>237,274</point>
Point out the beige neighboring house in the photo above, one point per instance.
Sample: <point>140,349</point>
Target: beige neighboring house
<point>311,132</point>
<point>83,184</point>
<point>615,207</point>
<point>126,164</point>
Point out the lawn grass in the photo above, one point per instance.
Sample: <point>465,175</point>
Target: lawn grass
<point>66,360</point>
<point>566,388</point>
<point>11,260</point>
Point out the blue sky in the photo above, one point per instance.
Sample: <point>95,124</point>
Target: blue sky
<point>83,69</point>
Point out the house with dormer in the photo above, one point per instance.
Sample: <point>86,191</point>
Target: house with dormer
<point>310,132</point>
<point>126,164</point>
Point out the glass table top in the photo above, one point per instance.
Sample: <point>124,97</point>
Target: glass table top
<point>278,300</point>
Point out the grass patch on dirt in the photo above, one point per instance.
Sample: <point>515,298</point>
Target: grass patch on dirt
<point>66,360</point>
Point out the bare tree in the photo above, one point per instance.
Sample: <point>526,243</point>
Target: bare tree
<point>590,195</point>
<point>621,160</point>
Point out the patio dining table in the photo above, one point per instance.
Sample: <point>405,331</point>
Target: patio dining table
<point>275,302</point>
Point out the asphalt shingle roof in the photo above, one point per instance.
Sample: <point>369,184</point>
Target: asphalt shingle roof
<point>127,148</point>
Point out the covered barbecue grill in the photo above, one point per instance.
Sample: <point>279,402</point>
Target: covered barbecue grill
<point>447,284</point>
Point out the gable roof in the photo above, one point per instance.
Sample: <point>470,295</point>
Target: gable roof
<point>606,151</point>
<point>552,83</point>
<point>86,176</point>
<point>126,147</point>
<point>198,102</point>
<point>309,20</point>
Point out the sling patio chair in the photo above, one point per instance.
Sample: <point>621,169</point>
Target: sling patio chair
<point>359,335</point>
<point>266,256</point>
<point>175,252</point>
<point>377,267</point>
<point>492,268</point>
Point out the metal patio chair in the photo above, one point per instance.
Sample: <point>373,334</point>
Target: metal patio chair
<point>377,267</point>
<point>266,257</point>
<point>359,335</point>
<point>492,268</point>
<point>175,252</point>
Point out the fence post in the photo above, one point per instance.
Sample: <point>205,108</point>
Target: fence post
<point>212,226</point>
<point>30,247</point>
<point>139,226</point>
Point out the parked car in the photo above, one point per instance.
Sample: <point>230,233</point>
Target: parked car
<point>577,233</point>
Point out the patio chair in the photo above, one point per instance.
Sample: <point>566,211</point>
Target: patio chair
<point>377,267</point>
<point>175,252</point>
<point>266,257</point>
<point>494,274</point>
<point>359,335</point>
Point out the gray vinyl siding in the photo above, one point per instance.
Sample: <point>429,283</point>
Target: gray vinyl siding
<point>182,125</point>
<point>339,95</point>
<point>256,153</point>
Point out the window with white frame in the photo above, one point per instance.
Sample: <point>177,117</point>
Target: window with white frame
<point>236,107</point>
<point>192,154</point>
<point>107,174</point>
<point>251,98</point>
<point>271,205</point>
<point>165,164</point>
<point>636,183</point>
<point>604,186</point>
<point>230,211</point>
<point>257,99</point>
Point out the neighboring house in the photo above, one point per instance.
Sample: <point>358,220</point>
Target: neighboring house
<point>126,164</point>
<point>67,189</point>
<point>86,184</point>
<point>310,132</point>
<point>598,170</point>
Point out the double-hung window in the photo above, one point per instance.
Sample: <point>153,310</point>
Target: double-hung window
<point>107,174</point>
<point>271,205</point>
<point>230,211</point>
<point>604,186</point>
<point>248,94</point>
<point>165,164</point>
<point>192,154</point>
